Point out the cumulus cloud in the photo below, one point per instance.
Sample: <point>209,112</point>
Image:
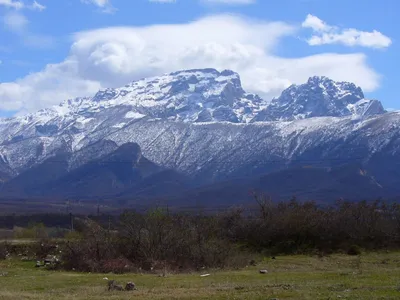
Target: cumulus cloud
<point>112,57</point>
<point>52,84</point>
<point>326,34</point>
<point>315,24</point>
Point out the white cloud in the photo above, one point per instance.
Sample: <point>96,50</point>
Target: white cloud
<point>326,34</point>
<point>54,83</point>
<point>115,56</point>
<point>315,23</point>
<point>104,5</point>
<point>100,3</point>
<point>19,5</point>
<point>12,4</point>
<point>14,91</point>
<point>15,21</point>
<point>37,6</point>
<point>18,23</point>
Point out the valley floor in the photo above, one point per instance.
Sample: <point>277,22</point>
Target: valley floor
<point>369,276</point>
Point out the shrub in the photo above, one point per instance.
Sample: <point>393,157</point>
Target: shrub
<point>354,250</point>
<point>90,249</point>
<point>116,266</point>
<point>44,248</point>
<point>3,251</point>
<point>159,239</point>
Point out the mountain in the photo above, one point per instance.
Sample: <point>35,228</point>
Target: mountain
<point>187,96</point>
<point>303,182</point>
<point>320,97</point>
<point>123,171</point>
<point>198,129</point>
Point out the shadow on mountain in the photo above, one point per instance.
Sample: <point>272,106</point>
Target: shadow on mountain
<point>125,177</point>
<point>322,185</point>
<point>123,171</point>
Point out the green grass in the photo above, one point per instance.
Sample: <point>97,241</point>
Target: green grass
<point>369,276</point>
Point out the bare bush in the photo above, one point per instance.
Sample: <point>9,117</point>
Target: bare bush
<point>88,251</point>
<point>116,266</point>
<point>3,251</point>
<point>43,248</point>
<point>294,227</point>
<point>160,241</point>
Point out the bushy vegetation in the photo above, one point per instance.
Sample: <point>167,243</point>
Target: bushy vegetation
<point>161,240</point>
<point>293,227</point>
<point>156,240</point>
<point>175,241</point>
<point>3,251</point>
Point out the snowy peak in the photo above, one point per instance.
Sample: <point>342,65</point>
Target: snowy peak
<point>197,95</point>
<point>320,96</point>
<point>207,95</point>
<point>345,91</point>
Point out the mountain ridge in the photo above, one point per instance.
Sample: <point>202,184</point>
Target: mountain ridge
<point>204,126</point>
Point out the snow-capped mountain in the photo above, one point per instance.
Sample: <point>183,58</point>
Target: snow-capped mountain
<point>187,96</point>
<point>320,97</point>
<point>202,124</point>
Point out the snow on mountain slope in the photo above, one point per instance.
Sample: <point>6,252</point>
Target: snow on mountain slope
<point>198,122</point>
<point>319,97</point>
<point>187,96</point>
<point>179,96</point>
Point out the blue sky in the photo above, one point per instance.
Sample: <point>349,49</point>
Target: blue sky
<point>52,50</point>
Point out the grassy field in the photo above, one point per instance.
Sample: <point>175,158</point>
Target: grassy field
<point>369,276</point>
